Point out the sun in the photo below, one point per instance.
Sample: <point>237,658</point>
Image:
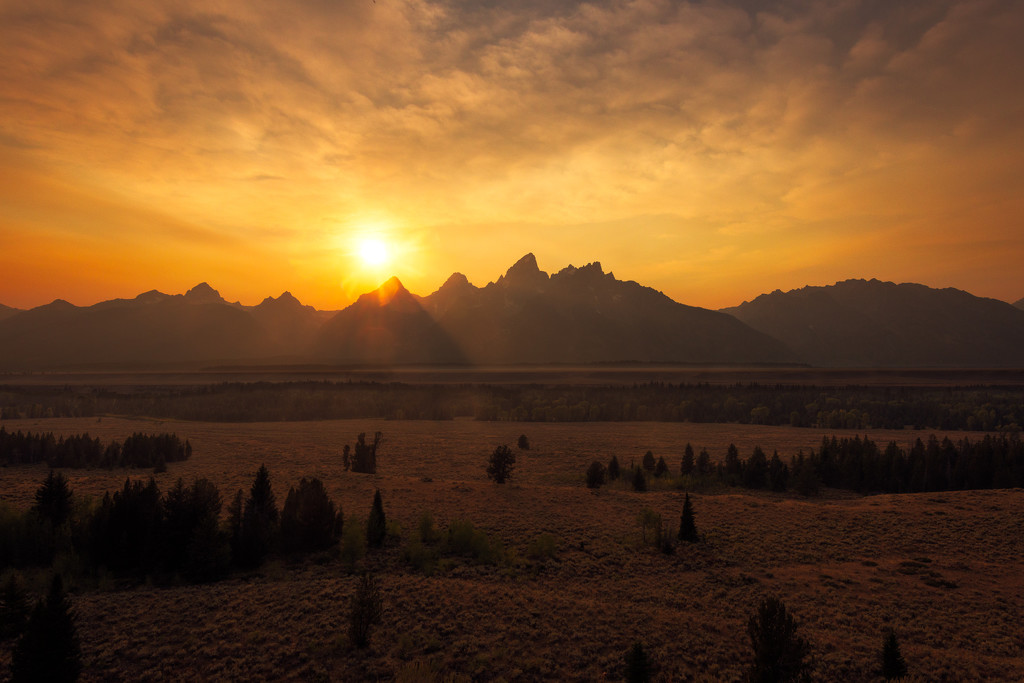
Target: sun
<point>374,252</point>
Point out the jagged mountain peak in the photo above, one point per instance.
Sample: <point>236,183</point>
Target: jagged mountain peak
<point>203,293</point>
<point>524,273</point>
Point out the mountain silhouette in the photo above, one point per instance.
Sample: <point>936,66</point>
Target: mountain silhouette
<point>1019,304</point>
<point>576,315</point>
<point>583,315</point>
<point>872,323</point>
<point>386,326</point>
<point>7,312</point>
<point>153,328</point>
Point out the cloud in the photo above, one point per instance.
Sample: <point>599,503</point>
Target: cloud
<point>751,124</point>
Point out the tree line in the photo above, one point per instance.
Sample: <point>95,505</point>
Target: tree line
<point>81,450</point>
<point>851,407</point>
<point>856,464</point>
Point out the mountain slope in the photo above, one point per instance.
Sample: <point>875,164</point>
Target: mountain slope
<point>7,312</point>
<point>153,328</point>
<point>385,326</point>
<point>1019,304</point>
<point>585,315</point>
<point>873,323</point>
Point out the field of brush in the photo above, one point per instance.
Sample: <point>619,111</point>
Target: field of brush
<point>943,569</point>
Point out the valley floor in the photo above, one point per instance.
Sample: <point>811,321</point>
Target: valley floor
<point>943,569</point>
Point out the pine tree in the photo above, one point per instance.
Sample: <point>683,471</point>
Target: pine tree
<point>376,524</point>
<point>688,461</point>
<point>49,649</point>
<point>687,525</point>
<point>259,521</point>
<point>367,608</point>
<point>661,469</point>
<point>648,462</point>
<point>638,668</point>
<point>778,652</point>
<point>595,475</point>
<point>613,469</point>
<point>893,664</point>
<point>639,480</point>
<point>13,608</point>
<point>53,499</point>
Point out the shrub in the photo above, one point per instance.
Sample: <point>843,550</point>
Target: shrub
<point>650,520</point>
<point>367,608</point>
<point>595,475</point>
<point>353,543</point>
<point>778,652</point>
<point>466,540</point>
<point>427,531</point>
<point>500,464</point>
<point>542,547</point>
<point>639,480</point>
<point>523,443</point>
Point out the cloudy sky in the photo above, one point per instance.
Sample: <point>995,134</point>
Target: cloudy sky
<point>712,150</point>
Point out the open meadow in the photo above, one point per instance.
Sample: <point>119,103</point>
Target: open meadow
<point>943,569</point>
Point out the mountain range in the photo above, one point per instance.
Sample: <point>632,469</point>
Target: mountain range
<point>576,315</point>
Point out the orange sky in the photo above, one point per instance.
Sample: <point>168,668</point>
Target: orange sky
<point>712,150</point>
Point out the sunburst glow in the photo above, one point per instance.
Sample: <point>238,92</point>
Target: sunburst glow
<point>374,252</point>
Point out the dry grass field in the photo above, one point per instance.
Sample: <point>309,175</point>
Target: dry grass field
<point>943,569</point>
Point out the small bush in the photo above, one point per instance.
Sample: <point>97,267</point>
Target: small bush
<point>595,475</point>
<point>542,548</point>
<point>466,540</point>
<point>500,464</point>
<point>376,523</point>
<point>778,652</point>
<point>367,608</point>
<point>353,543</point>
<point>523,443</point>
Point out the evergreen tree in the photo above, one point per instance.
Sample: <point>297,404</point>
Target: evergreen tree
<point>639,480</point>
<point>778,473</point>
<point>732,464</point>
<point>806,475</point>
<point>595,475</point>
<point>13,608</point>
<point>523,443</point>
<point>661,469</point>
<point>648,462</point>
<point>376,524</point>
<point>367,608</point>
<point>687,525</point>
<point>755,470</point>
<point>613,469</point>
<point>364,458</point>
<point>638,669</point>
<point>688,461</point>
<point>259,521</point>
<point>893,664</point>
<point>778,652</point>
<point>308,519</point>
<point>48,650</point>
<point>500,464</point>
<point>704,463</point>
<point>53,499</point>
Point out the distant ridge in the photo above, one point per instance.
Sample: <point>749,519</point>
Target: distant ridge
<point>1019,303</point>
<point>578,315</point>
<point>871,323</point>
<point>7,312</point>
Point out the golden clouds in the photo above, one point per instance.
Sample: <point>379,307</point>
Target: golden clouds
<point>744,150</point>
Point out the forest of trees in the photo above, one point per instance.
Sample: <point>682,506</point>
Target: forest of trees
<point>853,407</point>
<point>80,450</point>
<point>855,464</point>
